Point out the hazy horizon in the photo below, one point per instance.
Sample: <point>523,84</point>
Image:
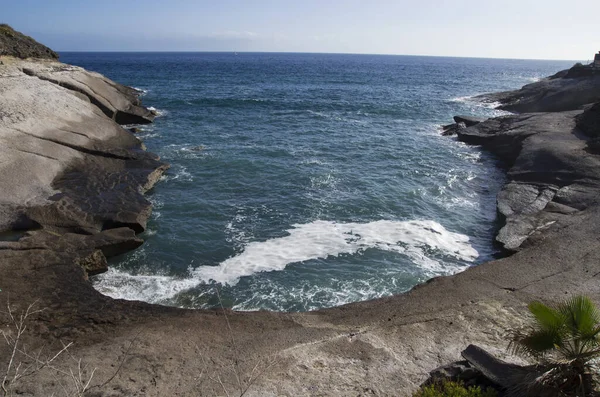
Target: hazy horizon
<point>463,28</point>
<point>298,52</point>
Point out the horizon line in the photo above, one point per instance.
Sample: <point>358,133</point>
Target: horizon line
<point>307,53</point>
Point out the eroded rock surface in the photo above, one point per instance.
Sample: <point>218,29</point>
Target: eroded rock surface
<point>567,90</point>
<point>67,168</point>
<point>551,174</point>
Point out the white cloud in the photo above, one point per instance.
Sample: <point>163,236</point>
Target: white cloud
<point>234,34</point>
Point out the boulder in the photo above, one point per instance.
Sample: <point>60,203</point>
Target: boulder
<point>589,121</point>
<point>94,263</point>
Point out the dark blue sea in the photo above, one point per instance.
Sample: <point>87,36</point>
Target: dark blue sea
<point>304,181</point>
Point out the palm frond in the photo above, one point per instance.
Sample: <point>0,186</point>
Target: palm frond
<point>546,318</point>
<point>581,316</point>
<point>536,343</point>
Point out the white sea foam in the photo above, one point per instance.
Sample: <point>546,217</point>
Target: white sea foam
<point>323,181</point>
<point>152,288</point>
<point>468,98</point>
<point>316,240</point>
<point>158,112</point>
<point>178,173</point>
<point>471,99</point>
<point>313,161</point>
<point>143,131</point>
<point>321,239</point>
<point>474,102</point>
<point>141,91</point>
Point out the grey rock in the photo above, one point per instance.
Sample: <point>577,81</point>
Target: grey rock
<point>450,372</point>
<point>118,102</point>
<point>395,340</point>
<point>593,146</point>
<point>93,263</point>
<point>468,120</point>
<point>589,121</point>
<point>68,173</point>
<point>547,163</point>
<point>549,95</point>
<point>523,198</point>
<point>453,129</point>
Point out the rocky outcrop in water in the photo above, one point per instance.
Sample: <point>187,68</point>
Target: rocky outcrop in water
<point>550,174</point>
<point>566,90</point>
<point>549,151</point>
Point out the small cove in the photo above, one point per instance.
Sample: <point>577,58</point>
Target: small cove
<point>303,181</point>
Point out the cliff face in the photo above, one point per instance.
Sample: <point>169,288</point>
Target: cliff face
<point>67,168</point>
<point>18,45</point>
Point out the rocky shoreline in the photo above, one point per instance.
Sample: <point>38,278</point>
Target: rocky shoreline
<point>72,185</point>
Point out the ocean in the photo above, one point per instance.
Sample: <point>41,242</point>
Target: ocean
<point>306,181</point>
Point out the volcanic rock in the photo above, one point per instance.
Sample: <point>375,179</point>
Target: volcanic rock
<point>468,120</point>
<point>561,92</point>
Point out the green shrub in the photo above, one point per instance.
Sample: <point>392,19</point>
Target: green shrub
<point>454,389</point>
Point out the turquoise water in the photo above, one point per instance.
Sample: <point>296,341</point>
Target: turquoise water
<point>303,181</point>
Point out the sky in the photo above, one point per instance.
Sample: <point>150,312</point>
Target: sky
<point>524,29</point>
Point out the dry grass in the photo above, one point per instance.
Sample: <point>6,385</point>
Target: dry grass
<point>73,375</point>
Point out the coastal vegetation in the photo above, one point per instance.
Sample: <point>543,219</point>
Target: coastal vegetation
<point>17,44</point>
<point>564,340</point>
<point>454,389</point>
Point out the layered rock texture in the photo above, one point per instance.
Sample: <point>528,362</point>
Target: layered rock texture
<point>551,174</point>
<point>66,167</point>
<point>72,180</point>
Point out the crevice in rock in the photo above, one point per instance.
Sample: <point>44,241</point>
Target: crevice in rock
<point>93,92</point>
<point>75,132</point>
<point>35,154</point>
<point>82,149</point>
<point>110,224</point>
<point>12,248</point>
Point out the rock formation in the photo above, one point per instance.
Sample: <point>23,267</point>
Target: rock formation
<point>550,174</point>
<point>566,90</point>
<point>67,168</point>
